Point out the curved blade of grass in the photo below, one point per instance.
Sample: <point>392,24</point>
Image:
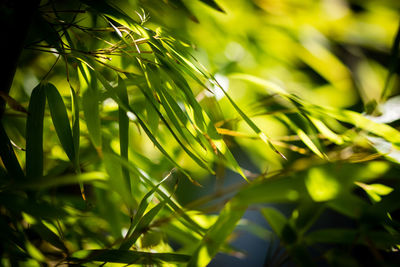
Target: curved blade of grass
<point>60,120</point>
<point>129,257</point>
<point>34,133</point>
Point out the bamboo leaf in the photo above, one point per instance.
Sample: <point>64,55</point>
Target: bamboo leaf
<point>285,189</point>
<point>75,126</point>
<point>175,206</point>
<point>249,122</point>
<point>213,4</point>
<point>49,182</point>
<point>123,122</point>
<point>60,120</point>
<point>275,219</point>
<point>129,257</point>
<point>49,236</point>
<point>141,226</point>
<point>90,104</point>
<point>311,142</point>
<point>394,58</point>
<point>218,233</point>
<point>127,108</point>
<point>8,157</point>
<point>34,130</point>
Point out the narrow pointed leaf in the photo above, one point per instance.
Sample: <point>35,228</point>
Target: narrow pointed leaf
<point>75,126</point>
<point>90,106</point>
<point>60,120</point>
<point>34,130</point>
<point>8,157</point>
<point>130,257</point>
<point>213,4</point>
<point>218,233</point>
<point>123,122</point>
<point>142,225</point>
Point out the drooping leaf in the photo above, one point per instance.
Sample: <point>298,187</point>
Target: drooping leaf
<point>49,236</point>
<point>213,4</point>
<point>75,125</point>
<point>90,104</point>
<point>170,201</point>
<point>276,220</point>
<point>123,121</point>
<point>60,120</point>
<point>34,130</point>
<point>128,257</point>
<point>142,226</point>
<point>218,233</point>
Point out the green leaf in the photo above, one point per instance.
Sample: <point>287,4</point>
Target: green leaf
<point>8,157</point>
<point>90,106</point>
<point>249,122</point>
<point>348,205</point>
<point>70,179</point>
<point>218,233</point>
<point>49,236</point>
<point>173,204</point>
<point>322,185</point>
<point>127,108</point>
<point>360,121</point>
<point>275,219</point>
<point>108,8</point>
<point>307,138</point>
<point>213,4</point>
<point>60,120</point>
<point>144,203</point>
<point>142,226</point>
<point>394,62</point>
<point>123,122</point>
<point>344,236</point>
<point>75,126</point>
<point>279,190</point>
<point>34,133</point>
<point>129,257</point>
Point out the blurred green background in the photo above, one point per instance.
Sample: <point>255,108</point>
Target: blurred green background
<point>323,59</point>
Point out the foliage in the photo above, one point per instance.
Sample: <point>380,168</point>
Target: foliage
<point>113,130</point>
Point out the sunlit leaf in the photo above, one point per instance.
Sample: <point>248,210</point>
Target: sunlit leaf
<point>60,120</point>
